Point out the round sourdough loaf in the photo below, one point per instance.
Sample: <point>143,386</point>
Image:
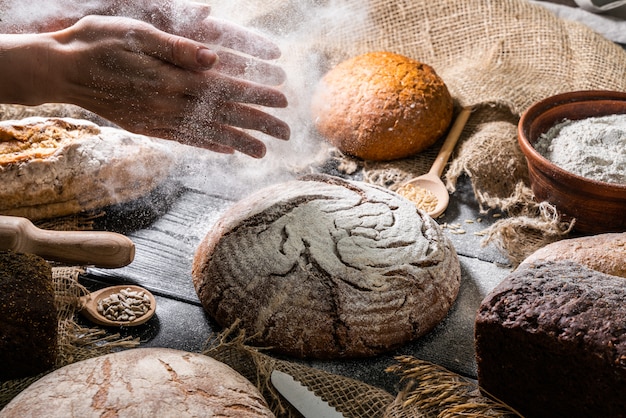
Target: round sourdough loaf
<point>603,252</point>
<point>327,268</point>
<point>141,382</point>
<point>52,167</point>
<point>29,325</point>
<point>381,106</point>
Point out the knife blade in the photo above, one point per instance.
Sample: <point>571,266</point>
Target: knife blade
<point>304,400</point>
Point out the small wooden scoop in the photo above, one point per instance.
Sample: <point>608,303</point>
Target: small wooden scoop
<point>431,181</point>
<point>97,248</point>
<point>89,306</point>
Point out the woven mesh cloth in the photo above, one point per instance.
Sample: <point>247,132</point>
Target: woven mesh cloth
<point>428,390</point>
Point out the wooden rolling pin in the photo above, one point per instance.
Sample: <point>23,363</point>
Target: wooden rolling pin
<point>97,248</point>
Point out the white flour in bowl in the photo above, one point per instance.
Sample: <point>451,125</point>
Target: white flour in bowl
<point>594,148</point>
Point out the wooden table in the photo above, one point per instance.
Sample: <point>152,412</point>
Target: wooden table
<point>166,237</point>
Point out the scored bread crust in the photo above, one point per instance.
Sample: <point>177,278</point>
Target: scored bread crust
<point>327,268</point>
<point>142,382</point>
<point>381,106</point>
<point>51,167</point>
<point>602,252</point>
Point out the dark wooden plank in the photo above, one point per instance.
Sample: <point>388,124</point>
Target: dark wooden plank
<point>165,249</point>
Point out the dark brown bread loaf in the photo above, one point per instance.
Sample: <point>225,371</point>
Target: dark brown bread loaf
<point>327,268</point>
<point>28,329</point>
<point>381,106</point>
<point>551,341</point>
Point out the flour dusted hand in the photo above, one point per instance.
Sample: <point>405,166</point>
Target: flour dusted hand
<point>168,83</point>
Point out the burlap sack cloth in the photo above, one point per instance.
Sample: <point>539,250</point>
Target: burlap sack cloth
<point>428,390</point>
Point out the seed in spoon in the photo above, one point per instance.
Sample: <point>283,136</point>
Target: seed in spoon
<point>423,199</point>
<point>127,305</point>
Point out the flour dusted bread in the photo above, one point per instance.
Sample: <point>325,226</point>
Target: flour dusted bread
<point>550,338</point>
<point>28,329</point>
<point>327,268</point>
<point>141,382</point>
<point>381,106</point>
<point>52,167</point>
<point>602,252</point>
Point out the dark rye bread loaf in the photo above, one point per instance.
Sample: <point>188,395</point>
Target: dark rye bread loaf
<point>551,341</point>
<point>327,268</point>
<point>28,329</point>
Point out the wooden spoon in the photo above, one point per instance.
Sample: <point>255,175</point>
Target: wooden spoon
<point>89,306</point>
<point>431,181</point>
<point>98,248</point>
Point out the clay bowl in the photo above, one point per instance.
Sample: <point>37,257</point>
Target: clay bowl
<point>597,206</point>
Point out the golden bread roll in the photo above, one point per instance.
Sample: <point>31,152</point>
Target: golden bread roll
<point>381,106</point>
<point>602,252</point>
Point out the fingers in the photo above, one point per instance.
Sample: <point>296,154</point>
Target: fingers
<point>191,19</point>
<point>229,35</point>
<point>251,69</point>
<point>193,55</point>
<point>214,137</point>
<point>217,88</point>
<point>245,117</point>
<point>176,50</point>
<point>233,138</point>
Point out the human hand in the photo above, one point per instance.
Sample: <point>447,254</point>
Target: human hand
<point>241,51</point>
<point>158,84</point>
<point>192,20</point>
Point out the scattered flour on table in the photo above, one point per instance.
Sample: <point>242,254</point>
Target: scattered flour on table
<point>594,148</point>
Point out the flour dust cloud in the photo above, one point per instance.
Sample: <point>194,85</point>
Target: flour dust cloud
<point>293,25</point>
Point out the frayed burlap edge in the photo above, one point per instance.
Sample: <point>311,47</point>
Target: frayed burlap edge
<point>349,396</point>
<point>429,389</point>
<point>75,342</point>
<point>505,186</point>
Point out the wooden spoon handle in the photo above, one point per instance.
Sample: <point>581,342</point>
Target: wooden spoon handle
<point>98,248</point>
<point>450,142</point>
